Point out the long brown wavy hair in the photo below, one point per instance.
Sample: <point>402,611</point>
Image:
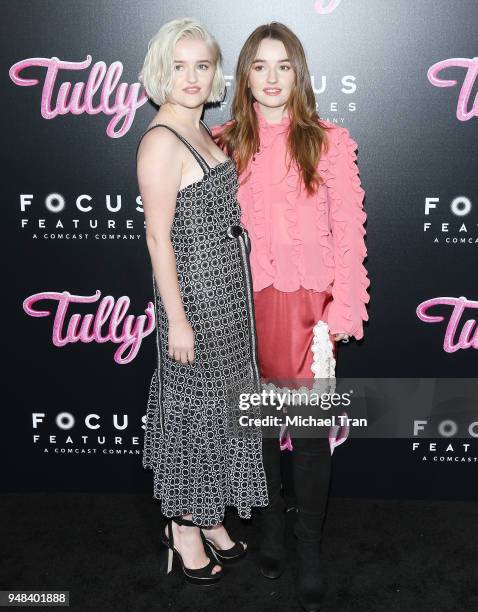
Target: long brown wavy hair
<point>307,136</point>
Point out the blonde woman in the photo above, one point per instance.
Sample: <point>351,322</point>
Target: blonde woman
<point>204,306</point>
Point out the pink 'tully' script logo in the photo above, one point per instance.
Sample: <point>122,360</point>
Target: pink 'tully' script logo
<point>325,7</point>
<point>88,328</point>
<point>471,66</point>
<point>80,100</point>
<point>468,338</point>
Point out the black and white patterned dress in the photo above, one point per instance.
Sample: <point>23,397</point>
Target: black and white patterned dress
<point>201,459</point>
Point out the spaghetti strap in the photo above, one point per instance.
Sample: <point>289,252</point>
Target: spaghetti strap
<point>206,127</point>
<point>197,156</point>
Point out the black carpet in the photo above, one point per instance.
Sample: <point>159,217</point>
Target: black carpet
<point>378,555</point>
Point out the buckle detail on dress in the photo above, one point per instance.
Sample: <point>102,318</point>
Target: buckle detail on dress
<point>234,231</point>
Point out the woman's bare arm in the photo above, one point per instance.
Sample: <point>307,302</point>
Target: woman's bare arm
<point>159,169</point>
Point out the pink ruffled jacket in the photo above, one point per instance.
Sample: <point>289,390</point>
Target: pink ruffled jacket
<point>316,242</point>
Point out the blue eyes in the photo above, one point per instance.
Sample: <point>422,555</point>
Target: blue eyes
<point>203,67</point>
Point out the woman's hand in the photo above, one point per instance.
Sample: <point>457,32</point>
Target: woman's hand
<point>344,337</point>
<point>181,341</point>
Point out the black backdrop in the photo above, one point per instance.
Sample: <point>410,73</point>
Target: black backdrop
<point>370,63</point>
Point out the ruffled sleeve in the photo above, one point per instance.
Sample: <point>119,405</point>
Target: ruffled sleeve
<point>347,217</point>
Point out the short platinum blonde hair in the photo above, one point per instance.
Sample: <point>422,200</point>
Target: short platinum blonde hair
<point>157,72</point>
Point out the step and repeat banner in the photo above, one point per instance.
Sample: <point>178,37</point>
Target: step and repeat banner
<point>79,320</point>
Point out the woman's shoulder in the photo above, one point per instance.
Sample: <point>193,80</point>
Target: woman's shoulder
<point>339,139</point>
<point>158,142</point>
<point>160,134</point>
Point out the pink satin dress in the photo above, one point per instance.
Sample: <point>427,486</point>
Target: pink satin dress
<point>284,324</point>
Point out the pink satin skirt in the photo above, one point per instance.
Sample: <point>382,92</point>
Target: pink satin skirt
<point>284,325</point>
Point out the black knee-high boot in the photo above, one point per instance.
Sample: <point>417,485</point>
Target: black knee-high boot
<point>272,553</point>
<point>312,465</point>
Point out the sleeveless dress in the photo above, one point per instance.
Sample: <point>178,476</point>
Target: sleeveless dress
<point>202,460</point>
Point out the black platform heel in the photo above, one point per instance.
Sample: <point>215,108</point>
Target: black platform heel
<point>229,555</point>
<point>199,577</point>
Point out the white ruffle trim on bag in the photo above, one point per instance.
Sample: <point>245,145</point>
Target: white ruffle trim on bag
<point>323,364</point>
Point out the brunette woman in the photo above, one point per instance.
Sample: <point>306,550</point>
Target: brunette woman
<point>302,204</point>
